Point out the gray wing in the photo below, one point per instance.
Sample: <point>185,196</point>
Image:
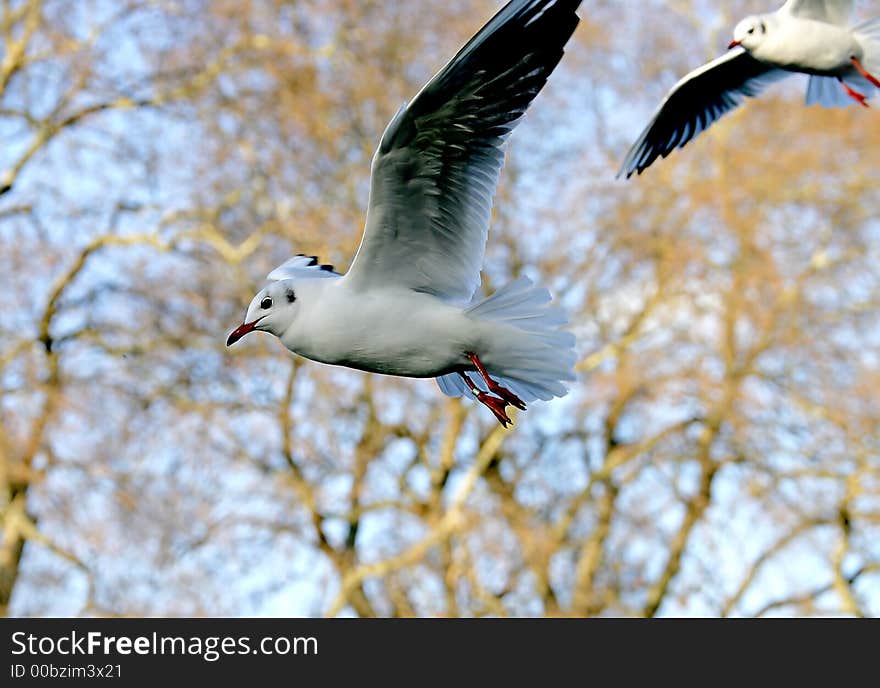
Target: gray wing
<point>697,101</point>
<point>831,11</point>
<point>435,172</point>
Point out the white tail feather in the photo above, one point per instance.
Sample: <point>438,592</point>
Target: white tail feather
<point>828,92</point>
<point>533,364</point>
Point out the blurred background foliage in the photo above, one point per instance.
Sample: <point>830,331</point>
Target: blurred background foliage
<point>718,455</point>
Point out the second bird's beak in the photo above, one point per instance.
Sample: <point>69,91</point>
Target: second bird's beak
<point>734,44</point>
<point>241,331</point>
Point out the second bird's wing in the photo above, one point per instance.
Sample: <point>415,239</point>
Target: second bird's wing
<point>831,11</point>
<point>436,169</point>
<point>697,101</point>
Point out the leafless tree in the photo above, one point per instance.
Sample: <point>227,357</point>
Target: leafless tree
<point>719,453</point>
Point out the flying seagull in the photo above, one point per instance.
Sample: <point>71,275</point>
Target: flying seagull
<point>808,36</point>
<point>406,306</point>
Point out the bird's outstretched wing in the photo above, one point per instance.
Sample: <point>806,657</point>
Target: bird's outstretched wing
<point>436,169</point>
<point>831,11</point>
<point>697,101</point>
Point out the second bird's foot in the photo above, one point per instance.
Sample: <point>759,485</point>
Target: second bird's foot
<point>860,98</point>
<point>865,73</point>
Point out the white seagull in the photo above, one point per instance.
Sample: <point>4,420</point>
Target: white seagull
<point>406,307</point>
<point>808,36</point>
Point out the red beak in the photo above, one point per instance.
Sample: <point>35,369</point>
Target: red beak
<point>734,44</point>
<point>241,331</point>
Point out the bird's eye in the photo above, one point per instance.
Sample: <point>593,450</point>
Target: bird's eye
<point>752,30</point>
<point>266,303</point>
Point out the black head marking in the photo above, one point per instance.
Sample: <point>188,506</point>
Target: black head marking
<point>291,297</point>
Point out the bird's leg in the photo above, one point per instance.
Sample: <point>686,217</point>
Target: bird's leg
<point>502,392</point>
<point>860,98</point>
<point>864,72</point>
<point>494,404</point>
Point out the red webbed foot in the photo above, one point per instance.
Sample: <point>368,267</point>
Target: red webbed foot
<point>865,73</point>
<point>860,98</point>
<point>496,405</point>
<point>496,388</point>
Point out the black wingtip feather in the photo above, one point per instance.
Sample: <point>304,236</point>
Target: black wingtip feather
<point>542,27</point>
<point>315,262</point>
<point>695,103</point>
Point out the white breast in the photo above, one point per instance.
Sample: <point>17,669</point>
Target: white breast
<point>393,331</point>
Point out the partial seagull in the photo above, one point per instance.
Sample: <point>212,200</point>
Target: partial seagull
<point>406,306</point>
<point>808,36</point>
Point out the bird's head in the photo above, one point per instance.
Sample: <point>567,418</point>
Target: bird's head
<point>272,310</point>
<point>750,32</point>
<point>275,307</point>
